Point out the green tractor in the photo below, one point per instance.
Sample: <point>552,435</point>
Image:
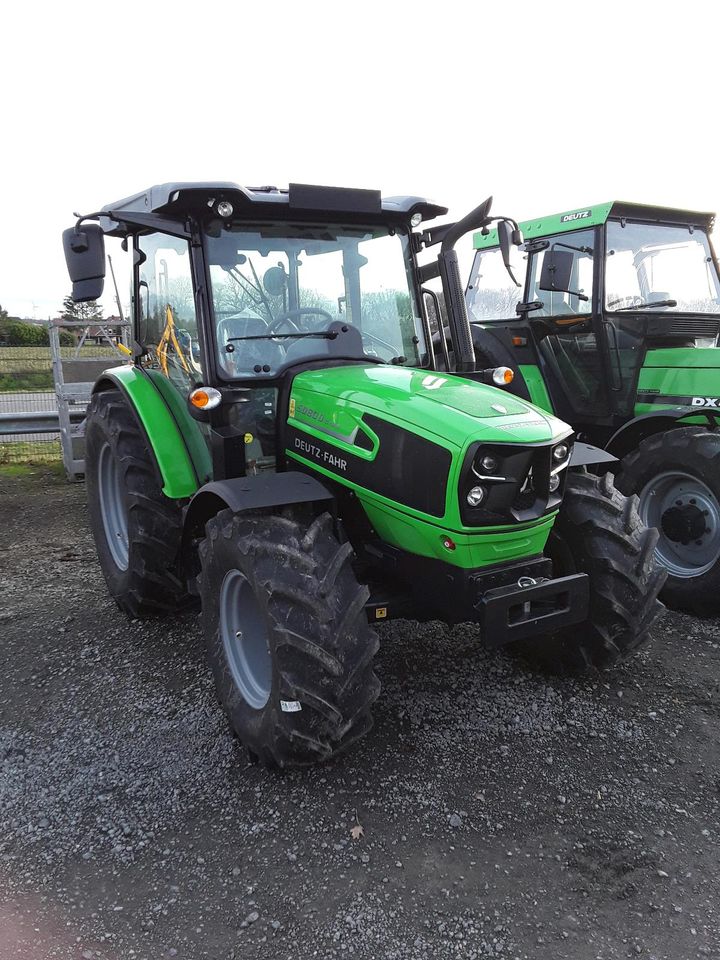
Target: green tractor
<point>611,321</point>
<point>285,447</point>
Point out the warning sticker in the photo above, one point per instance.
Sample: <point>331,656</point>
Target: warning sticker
<point>290,706</point>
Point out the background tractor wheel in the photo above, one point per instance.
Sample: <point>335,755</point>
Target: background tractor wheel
<point>676,476</point>
<point>287,636</point>
<point>137,529</point>
<point>599,532</point>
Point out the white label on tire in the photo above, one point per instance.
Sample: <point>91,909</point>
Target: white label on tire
<point>290,706</point>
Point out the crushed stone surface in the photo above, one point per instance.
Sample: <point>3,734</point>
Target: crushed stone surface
<point>505,813</point>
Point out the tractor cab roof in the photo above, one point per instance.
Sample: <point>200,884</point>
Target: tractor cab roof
<point>176,201</point>
<point>598,214</point>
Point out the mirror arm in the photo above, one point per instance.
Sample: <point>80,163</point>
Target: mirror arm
<point>477,218</point>
<point>428,271</point>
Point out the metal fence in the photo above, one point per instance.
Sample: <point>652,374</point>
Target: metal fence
<point>29,427</point>
<point>26,392</point>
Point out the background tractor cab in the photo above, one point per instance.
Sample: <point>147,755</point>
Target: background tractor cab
<point>613,325</point>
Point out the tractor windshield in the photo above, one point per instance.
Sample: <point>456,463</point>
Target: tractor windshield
<point>278,288</point>
<point>660,267</point>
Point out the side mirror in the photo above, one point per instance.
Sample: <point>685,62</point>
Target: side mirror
<point>510,239</point>
<point>556,270</point>
<point>84,248</point>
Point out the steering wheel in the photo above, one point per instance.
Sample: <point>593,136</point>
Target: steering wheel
<point>287,317</point>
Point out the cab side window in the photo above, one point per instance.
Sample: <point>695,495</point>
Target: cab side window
<point>167,323</point>
<point>491,292</point>
<point>578,248</point>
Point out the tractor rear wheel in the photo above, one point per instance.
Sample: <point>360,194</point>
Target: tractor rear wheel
<point>287,636</point>
<point>676,476</point>
<point>137,529</point>
<point>599,532</point>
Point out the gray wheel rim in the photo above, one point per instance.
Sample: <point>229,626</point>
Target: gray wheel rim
<point>112,507</point>
<point>682,490</point>
<point>245,638</point>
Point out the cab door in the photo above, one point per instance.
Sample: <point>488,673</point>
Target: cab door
<point>563,302</point>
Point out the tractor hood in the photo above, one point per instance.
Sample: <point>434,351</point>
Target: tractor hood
<point>440,405</point>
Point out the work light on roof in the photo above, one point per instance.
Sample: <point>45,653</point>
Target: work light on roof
<point>416,220</point>
<point>224,209</point>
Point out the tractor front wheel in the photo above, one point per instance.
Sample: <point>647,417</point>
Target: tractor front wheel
<point>676,476</point>
<point>287,636</point>
<point>137,529</point>
<point>599,532</point>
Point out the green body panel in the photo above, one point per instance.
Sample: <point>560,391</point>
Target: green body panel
<point>492,545</point>
<point>593,216</point>
<point>329,404</point>
<point>536,385</point>
<point>165,433</point>
<point>442,407</point>
<point>556,223</point>
<point>675,376</point>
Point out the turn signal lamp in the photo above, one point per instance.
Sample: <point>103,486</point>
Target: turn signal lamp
<point>205,398</point>
<point>502,376</point>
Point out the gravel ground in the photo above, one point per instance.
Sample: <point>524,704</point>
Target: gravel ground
<point>504,814</point>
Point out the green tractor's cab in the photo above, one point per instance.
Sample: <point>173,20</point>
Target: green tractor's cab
<point>287,446</point>
<point>613,326</point>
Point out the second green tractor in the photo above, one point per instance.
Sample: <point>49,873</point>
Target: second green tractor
<point>611,320</point>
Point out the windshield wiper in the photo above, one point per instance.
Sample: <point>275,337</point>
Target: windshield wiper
<point>319,334</point>
<point>653,305</point>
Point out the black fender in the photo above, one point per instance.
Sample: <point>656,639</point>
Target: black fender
<point>258,492</point>
<point>632,433</point>
<point>583,454</point>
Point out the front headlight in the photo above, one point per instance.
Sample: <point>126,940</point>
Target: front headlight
<point>560,452</point>
<point>475,496</point>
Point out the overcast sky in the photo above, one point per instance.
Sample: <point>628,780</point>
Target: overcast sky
<point>546,105</point>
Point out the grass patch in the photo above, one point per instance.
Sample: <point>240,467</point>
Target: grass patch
<point>53,468</point>
<point>32,380</point>
<point>30,453</point>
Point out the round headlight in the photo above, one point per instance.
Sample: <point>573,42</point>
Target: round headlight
<point>224,209</point>
<point>475,496</point>
<point>560,452</point>
<point>488,464</point>
<point>554,483</point>
<point>416,219</point>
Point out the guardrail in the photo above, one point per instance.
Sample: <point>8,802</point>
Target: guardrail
<point>36,422</point>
